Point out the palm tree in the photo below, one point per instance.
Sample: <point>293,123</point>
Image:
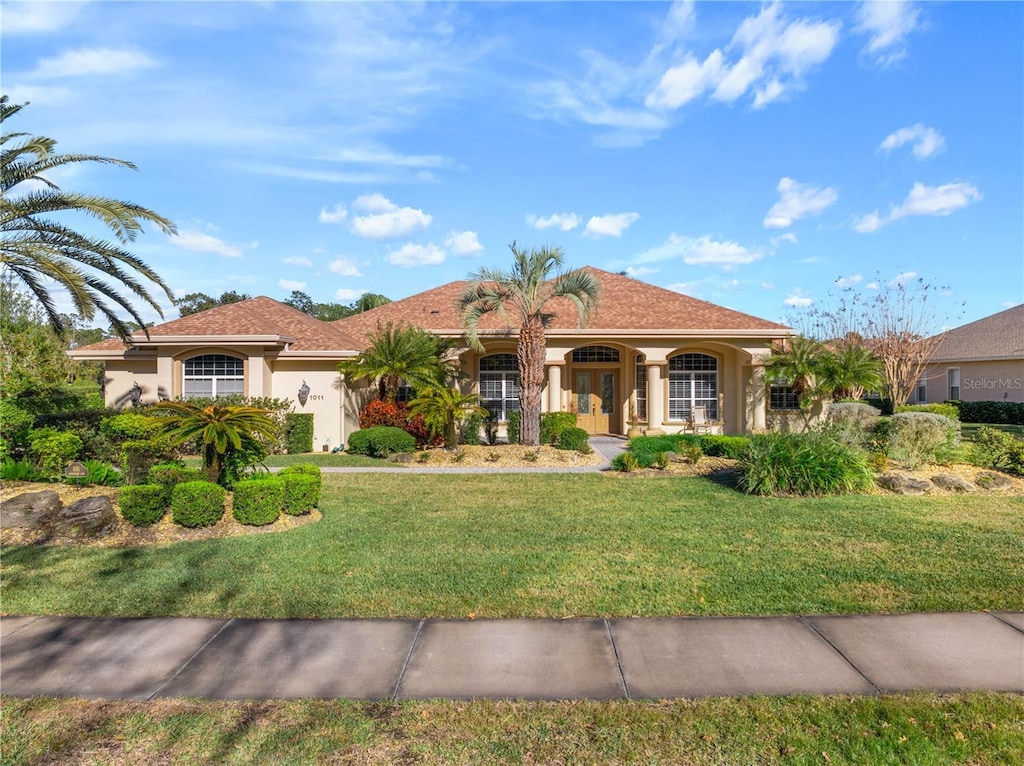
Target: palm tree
<point>800,367</point>
<point>852,370</point>
<point>37,247</point>
<point>368,301</point>
<point>222,430</point>
<point>525,293</point>
<point>443,408</point>
<point>402,353</point>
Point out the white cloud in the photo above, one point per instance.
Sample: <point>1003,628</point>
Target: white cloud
<point>869,223</point>
<point>767,285</point>
<point>700,251</point>
<point>610,225</point>
<point>37,17</point>
<point>90,61</point>
<point>639,271</point>
<point>298,260</point>
<point>563,221</point>
<point>775,55</point>
<point>347,294</point>
<point>798,201</point>
<point>198,242</point>
<point>463,243</point>
<point>901,279</point>
<point>887,24</point>
<point>796,300</point>
<point>291,285</point>
<point>927,141</point>
<point>416,255</point>
<point>344,267</point>
<point>386,220</point>
<point>923,200</point>
<point>871,285</point>
<point>789,237</point>
<point>337,214</point>
<point>387,158</point>
<point>849,281</point>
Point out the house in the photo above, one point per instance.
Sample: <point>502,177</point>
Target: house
<point>978,362</point>
<point>646,351</point>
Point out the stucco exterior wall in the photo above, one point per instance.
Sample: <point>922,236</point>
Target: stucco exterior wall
<point>121,375</point>
<point>984,381</point>
<point>324,401</point>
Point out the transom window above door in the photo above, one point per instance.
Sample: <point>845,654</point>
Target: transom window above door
<point>595,354</point>
<point>213,375</point>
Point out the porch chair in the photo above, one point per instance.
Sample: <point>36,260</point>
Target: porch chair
<point>699,423</point>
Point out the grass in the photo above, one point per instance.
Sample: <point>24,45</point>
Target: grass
<point>556,546</point>
<point>323,459</point>
<point>968,430</point>
<point>919,729</point>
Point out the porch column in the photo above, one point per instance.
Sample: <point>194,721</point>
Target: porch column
<point>655,401</point>
<point>554,387</point>
<point>756,420</point>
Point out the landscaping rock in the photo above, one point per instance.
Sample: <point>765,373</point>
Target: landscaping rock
<point>401,458</point>
<point>956,483</point>
<point>674,457</point>
<point>902,484</point>
<point>31,510</point>
<point>88,517</point>
<point>990,480</point>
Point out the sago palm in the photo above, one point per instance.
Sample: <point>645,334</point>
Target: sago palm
<point>443,408</point>
<point>220,429</point>
<point>852,370</point>
<point>402,353</point>
<point>800,366</point>
<point>522,297</point>
<point>37,247</point>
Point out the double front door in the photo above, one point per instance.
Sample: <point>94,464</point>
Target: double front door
<point>595,394</point>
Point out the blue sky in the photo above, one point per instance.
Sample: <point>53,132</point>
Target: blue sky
<point>747,154</point>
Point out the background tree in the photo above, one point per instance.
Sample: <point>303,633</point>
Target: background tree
<point>402,353</point>
<point>221,430</point>
<point>368,301</point>
<point>36,246</point>
<point>443,409</point>
<point>900,323</point>
<point>193,303</point>
<point>522,297</point>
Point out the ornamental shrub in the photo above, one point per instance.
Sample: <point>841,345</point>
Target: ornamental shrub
<point>380,441</point>
<point>553,423</point>
<point>573,438</point>
<point>647,448</point>
<point>198,503</point>
<point>138,456</point>
<point>52,450</point>
<point>258,501</point>
<point>142,504</point>
<point>812,463</point>
<point>512,426</point>
<point>853,423</point>
<point>381,412</point>
<point>298,432</point>
<point>945,409</point>
<point>170,475</point>
<point>715,445</point>
<point>1001,450</point>
<point>914,438</point>
<point>305,469</point>
<point>301,493</point>
<point>1006,413</point>
<point>625,462</point>
<point>15,426</point>
<point>471,428</point>
<point>19,470</point>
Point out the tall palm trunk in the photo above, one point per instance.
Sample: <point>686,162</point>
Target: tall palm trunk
<point>530,353</point>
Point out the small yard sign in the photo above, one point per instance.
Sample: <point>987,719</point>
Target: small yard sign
<point>76,470</point>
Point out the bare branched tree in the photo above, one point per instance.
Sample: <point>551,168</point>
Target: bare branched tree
<point>900,321</point>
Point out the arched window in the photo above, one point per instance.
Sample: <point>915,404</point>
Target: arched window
<point>595,354</point>
<point>213,375</point>
<point>692,382</point>
<point>499,384</point>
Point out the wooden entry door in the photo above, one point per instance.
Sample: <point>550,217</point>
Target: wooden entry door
<point>595,400</point>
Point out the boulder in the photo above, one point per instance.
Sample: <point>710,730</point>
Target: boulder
<point>31,510</point>
<point>88,517</point>
<point>674,457</point>
<point>902,484</point>
<point>991,480</point>
<point>955,483</point>
<point>401,458</point>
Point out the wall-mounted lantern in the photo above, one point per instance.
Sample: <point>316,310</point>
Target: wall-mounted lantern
<point>303,393</point>
<point>135,394</point>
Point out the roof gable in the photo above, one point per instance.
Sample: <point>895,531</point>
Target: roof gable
<point>999,336</point>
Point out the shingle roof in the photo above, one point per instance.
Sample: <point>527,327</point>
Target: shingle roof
<point>624,305</point>
<point>999,336</point>
<point>260,316</point>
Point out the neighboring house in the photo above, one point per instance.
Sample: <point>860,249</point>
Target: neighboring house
<point>980,361</point>
<point>645,349</point>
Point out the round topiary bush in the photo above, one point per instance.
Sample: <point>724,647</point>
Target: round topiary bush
<point>301,493</point>
<point>258,501</point>
<point>197,503</point>
<point>573,438</point>
<point>169,475</point>
<point>380,441</point>
<point>142,504</point>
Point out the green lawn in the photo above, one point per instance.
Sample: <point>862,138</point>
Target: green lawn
<point>544,545</point>
<point>968,430</point>
<point>339,460</point>
<point>918,729</point>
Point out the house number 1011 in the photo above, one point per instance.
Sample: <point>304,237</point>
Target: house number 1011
<point>316,397</point>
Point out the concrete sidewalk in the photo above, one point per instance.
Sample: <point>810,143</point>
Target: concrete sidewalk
<point>630,658</point>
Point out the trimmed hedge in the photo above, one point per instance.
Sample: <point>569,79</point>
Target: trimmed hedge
<point>945,409</point>
<point>198,503</point>
<point>169,475</point>
<point>552,424</point>
<point>380,441</point>
<point>1004,413</point>
<point>512,427</point>
<point>258,501</point>
<point>573,438</point>
<point>142,504</point>
<point>715,445</point>
<point>301,493</point>
<point>298,432</point>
